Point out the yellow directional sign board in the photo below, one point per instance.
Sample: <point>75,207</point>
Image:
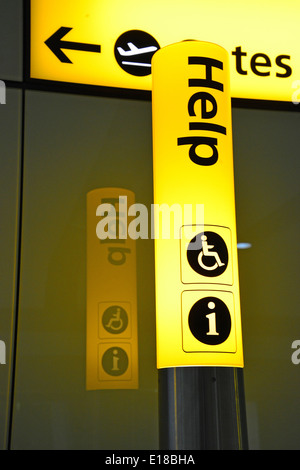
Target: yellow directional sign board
<point>111,43</point>
<point>197,284</point>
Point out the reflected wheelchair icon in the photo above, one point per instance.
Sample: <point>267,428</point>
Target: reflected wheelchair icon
<point>115,319</point>
<point>211,257</point>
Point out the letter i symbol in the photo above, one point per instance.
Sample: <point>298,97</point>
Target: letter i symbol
<point>212,319</point>
<point>115,360</point>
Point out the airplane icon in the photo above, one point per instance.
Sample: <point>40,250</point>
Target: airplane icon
<point>134,51</point>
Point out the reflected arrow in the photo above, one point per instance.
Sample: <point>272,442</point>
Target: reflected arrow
<point>56,45</point>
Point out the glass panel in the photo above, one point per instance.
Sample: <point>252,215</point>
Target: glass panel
<point>74,145</point>
<point>267,168</point>
<point>11,41</point>
<point>10,131</point>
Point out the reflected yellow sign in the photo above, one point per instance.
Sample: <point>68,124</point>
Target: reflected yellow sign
<point>111,335</point>
<point>2,352</point>
<point>197,286</point>
<point>111,43</point>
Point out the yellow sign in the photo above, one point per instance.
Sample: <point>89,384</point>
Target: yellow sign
<point>111,339</point>
<point>111,43</point>
<point>197,285</point>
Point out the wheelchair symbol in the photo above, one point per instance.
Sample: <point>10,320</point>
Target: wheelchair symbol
<point>206,252</point>
<point>115,319</point>
<point>211,259</point>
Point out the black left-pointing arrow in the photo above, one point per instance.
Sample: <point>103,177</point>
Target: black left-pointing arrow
<point>56,45</point>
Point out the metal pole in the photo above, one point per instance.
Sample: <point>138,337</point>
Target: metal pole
<point>202,408</point>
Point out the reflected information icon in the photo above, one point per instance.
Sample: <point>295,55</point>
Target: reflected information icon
<point>115,362</point>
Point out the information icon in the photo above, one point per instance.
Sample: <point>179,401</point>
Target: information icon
<point>210,321</point>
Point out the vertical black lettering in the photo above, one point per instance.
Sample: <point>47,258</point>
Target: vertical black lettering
<point>207,82</point>
<point>204,97</point>
<point>196,142</point>
<point>207,126</point>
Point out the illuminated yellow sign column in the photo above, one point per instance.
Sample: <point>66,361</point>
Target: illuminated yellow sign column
<point>111,335</point>
<point>197,285</point>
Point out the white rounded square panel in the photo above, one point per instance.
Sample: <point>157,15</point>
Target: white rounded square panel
<point>206,255</point>
<point>208,321</point>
